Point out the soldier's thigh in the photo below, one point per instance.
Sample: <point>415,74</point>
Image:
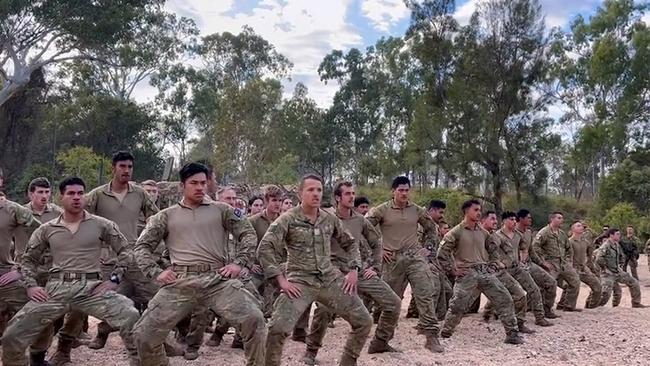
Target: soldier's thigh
<point>168,307</point>
<point>626,279</point>
<point>465,293</point>
<point>513,287</point>
<point>379,291</point>
<point>286,311</point>
<point>394,275</point>
<point>14,295</point>
<point>334,297</point>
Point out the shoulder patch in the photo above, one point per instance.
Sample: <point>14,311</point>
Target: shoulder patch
<point>239,213</point>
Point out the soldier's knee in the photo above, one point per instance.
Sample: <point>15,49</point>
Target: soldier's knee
<point>361,319</point>
<point>11,339</point>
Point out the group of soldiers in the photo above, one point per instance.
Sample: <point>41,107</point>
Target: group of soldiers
<point>147,273</point>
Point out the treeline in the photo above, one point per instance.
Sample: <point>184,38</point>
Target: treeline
<point>471,108</point>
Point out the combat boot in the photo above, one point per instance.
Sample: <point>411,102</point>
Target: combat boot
<point>347,360</point>
<point>172,350</point>
<point>38,359</point>
<point>524,329</point>
<point>433,344</point>
<point>551,315</point>
<point>542,322</point>
<point>62,354</point>
<point>639,306</point>
<point>299,335</point>
<point>380,346</point>
<point>514,338</point>
<point>103,331</point>
<point>310,357</point>
<point>191,353</point>
<point>237,342</point>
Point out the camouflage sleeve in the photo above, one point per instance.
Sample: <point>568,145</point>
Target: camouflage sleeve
<point>568,247</point>
<point>446,251</point>
<point>600,258</point>
<point>244,235</point>
<point>113,238</point>
<point>349,243</point>
<point>430,230</point>
<point>538,246</point>
<point>376,215</point>
<point>532,254</point>
<point>154,232</point>
<point>492,246</point>
<point>374,242</point>
<point>162,256</point>
<point>24,217</point>
<point>590,257</point>
<point>31,259</point>
<point>91,201</point>
<point>149,207</point>
<point>272,243</point>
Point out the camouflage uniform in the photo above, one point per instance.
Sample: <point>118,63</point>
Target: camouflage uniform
<point>398,227</point>
<point>608,258</point>
<point>374,287</point>
<point>630,249</point>
<point>466,248</point>
<point>617,291</point>
<point>196,239</point>
<point>583,250</point>
<point>505,250</point>
<point>309,266</point>
<point>554,247</point>
<point>74,275</point>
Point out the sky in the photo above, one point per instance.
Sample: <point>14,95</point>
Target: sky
<point>307,30</point>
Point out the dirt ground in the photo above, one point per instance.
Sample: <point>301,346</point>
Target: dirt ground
<point>603,336</point>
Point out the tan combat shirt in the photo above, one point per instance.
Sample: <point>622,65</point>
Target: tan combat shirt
<point>463,246</point>
<point>399,226</point>
<point>12,217</point>
<point>369,243</point>
<point>583,250</point>
<point>21,236</point>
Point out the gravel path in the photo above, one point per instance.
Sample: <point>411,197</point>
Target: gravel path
<point>603,336</point>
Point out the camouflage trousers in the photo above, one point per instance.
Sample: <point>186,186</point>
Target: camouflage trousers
<point>286,312</point>
<point>547,287</point>
<point>413,269</point>
<point>13,297</point>
<point>469,287</point>
<point>591,280</point>
<point>380,293</point>
<point>516,292</point>
<point>609,280</point>
<point>66,296</point>
<point>633,263</point>
<point>533,295</point>
<point>571,284</point>
<point>446,290</point>
<point>135,286</point>
<point>225,297</point>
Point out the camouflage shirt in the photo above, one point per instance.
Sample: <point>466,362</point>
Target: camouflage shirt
<point>21,237</point>
<point>79,252</point>
<point>526,251</point>
<point>308,246</point>
<point>553,247</point>
<point>196,236</point>
<point>609,257</point>
<point>463,247</point>
<point>12,217</point>
<point>368,239</point>
<point>504,249</point>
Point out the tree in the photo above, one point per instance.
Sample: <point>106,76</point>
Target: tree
<point>629,182</point>
<point>81,161</point>
<point>38,33</point>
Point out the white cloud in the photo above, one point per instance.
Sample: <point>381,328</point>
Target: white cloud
<point>384,13</point>
<point>465,11</point>
<point>302,30</point>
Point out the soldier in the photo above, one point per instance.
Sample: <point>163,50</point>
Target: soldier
<point>463,253</point>
<point>75,240</point>
<point>583,250</point>
<point>488,223</point>
<point>151,187</point>
<point>306,232</point>
<point>16,220</point>
<point>369,285</point>
<point>361,205</point>
<point>126,204</point>
<point>256,204</point>
<point>443,228</point>
<point>404,257</point>
<point>630,247</point>
<point>287,204</point>
<point>503,249</point>
<point>544,281</point>
<point>552,245</point>
<point>196,233</point>
<point>608,259</point>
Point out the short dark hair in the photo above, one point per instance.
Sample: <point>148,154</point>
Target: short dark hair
<point>361,200</point>
<point>469,203</point>
<point>553,214</point>
<point>71,181</point>
<point>253,199</point>
<point>272,191</point>
<point>309,176</point>
<point>487,213</point>
<point>507,215</point>
<point>398,181</point>
<point>522,214</point>
<point>340,185</point>
<point>612,231</point>
<point>437,204</point>
<point>629,226</point>
<point>122,156</point>
<point>40,182</point>
<point>190,169</point>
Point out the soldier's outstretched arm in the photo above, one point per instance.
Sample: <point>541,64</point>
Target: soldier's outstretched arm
<point>244,234</point>
<point>32,257</point>
<point>153,233</point>
<point>272,242</point>
<point>376,215</point>
<point>116,241</point>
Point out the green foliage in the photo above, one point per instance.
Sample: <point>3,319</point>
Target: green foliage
<point>629,182</point>
<point>83,162</point>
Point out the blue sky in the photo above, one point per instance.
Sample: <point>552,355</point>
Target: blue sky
<point>306,30</point>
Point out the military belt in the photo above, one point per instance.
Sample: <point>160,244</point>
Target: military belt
<point>73,276</point>
<point>196,268</point>
<point>484,267</point>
